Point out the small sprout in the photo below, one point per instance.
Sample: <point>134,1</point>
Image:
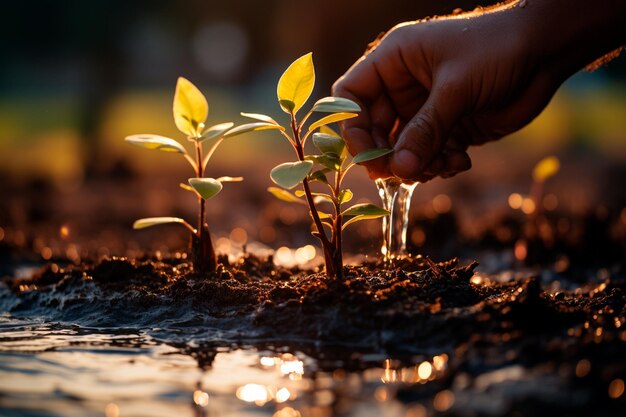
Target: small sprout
<point>190,110</point>
<point>294,88</point>
<point>546,168</point>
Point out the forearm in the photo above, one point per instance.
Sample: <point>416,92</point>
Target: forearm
<point>572,34</point>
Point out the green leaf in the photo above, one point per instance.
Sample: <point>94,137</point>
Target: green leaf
<point>156,142</point>
<point>187,187</point>
<point>331,118</point>
<point>330,161</point>
<point>365,209</point>
<point>229,179</point>
<point>216,131</point>
<point>190,108</point>
<point>153,221</point>
<point>260,117</point>
<point>206,187</point>
<point>284,195</point>
<point>335,104</point>
<point>370,154</point>
<point>296,84</point>
<point>251,127</point>
<point>328,143</point>
<point>318,175</point>
<point>319,196</point>
<point>345,196</point>
<point>358,219</point>
<point>290,174</point>
<point>328,131</point>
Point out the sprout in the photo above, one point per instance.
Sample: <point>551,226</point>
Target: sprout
<point>294,89</point>
<point>190,113</point>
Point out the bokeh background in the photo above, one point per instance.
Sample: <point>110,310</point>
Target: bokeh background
<point>78,76</point>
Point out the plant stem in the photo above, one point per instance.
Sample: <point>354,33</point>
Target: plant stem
<point>321,235</point>
<point>205,258</point>
<point>338,250</point>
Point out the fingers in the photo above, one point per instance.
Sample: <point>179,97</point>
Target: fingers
<point>422,140</point>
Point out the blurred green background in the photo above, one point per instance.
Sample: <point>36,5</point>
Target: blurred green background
<point>79,76</point>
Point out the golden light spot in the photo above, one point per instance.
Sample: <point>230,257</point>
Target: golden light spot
<point>520,250</point>
<point>381,394</point>
<point>292,367</point>
<point>476,280</point>
<point>440,361</point>
<point>253,393</point>
<point>64,232</point>
<point>443,400</point>
<point>582,368</point>
<point>46,253</point>
<point>287,412</point>
<point>283,256</point>
<point>528,206</point>
<point>442,204</point>
<point>111,410</point>
<point>305,254</point>
<point>425,370</point>
<point>515,201</point>
<point>546,168</point>
<point>239,236</point>
<point>389,375</point>
<point>201,398</point>
<point>282,395</point>
<point>616,388</point>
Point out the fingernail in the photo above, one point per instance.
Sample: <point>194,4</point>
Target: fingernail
<point>404,163</point>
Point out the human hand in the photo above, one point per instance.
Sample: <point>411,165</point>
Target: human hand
<point>431,89</point>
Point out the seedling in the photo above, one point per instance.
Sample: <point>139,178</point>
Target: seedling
<point>190,112</point>
<point>294,88</point>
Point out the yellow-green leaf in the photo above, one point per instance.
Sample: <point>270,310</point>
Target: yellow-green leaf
<point>370,154</point>
<point>296,84</point>
<point>328,131</point>
<point>546,168</point>
<point>358,219</point>
<point>190,108</point>
<point>365,209</point>
<point>206,187</point>
<point>290,174</point>
<point>229,179</point>
<point>345,196</point>
<point>156,142</point>
<point>328,143</point>
<point>217,131</point>
<point>251,127</point>
<point>331,118</point>
<point>261,117</point>
<point>284,195</point>
<point>153,221</point>
<point>335,104</point>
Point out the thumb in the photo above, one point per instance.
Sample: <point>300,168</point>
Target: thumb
<point>425,135</point>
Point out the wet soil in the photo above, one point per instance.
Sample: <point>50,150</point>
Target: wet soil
<point>413,307</point>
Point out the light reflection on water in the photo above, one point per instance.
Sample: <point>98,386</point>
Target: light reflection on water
<point>51,370</point>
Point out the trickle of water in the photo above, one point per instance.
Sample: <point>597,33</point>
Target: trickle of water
<point>396,198</point>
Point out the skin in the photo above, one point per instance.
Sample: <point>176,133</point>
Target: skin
<point>430,89</point>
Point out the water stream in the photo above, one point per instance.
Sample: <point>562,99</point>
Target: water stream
<point>396,198</point>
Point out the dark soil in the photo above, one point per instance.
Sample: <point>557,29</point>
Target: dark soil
<point>415,307</point>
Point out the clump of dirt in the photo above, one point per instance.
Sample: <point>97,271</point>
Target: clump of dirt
<point>411,303</point>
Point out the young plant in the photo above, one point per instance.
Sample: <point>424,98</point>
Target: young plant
<point>190,112</point>
<point>294,88</point>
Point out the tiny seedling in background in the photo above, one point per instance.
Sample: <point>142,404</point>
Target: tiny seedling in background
<point>190,112</point>
<point>533,203</point>
<point>294,88</point>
